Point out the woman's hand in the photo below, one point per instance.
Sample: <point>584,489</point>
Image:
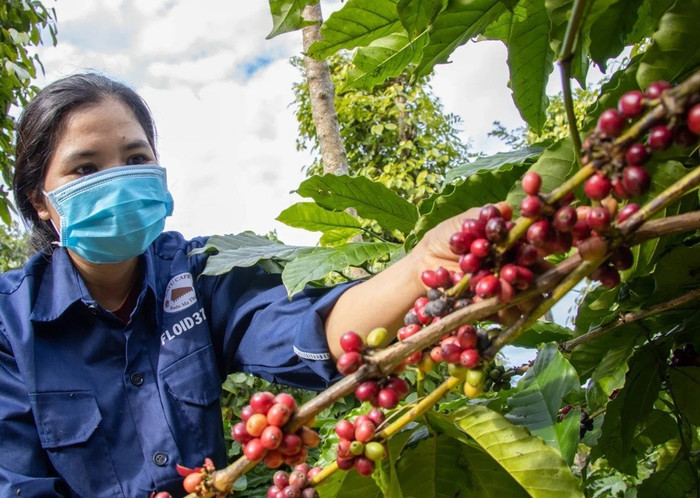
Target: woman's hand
<point>383,300</point>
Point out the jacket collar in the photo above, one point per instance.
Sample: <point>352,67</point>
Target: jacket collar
<point>61,285</point>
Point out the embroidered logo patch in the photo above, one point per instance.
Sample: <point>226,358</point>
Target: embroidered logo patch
<point>179,294</point>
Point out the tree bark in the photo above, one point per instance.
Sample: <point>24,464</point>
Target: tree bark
<point>322,93</point>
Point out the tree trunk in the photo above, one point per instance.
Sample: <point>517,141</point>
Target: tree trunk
<point>322,93</point>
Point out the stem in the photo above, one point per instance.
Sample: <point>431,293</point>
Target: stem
<point>420,408</point>
<point>326,472</point>
<point>625,318</point>
<point>661,201</point>
<point>581,272</point>
<point>565,56</point>
<point>579,177</point>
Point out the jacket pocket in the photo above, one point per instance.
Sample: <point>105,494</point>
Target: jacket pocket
<point>193,390</point>
<point>68,426</point>
<point>65,418</point>
<point>194,379</point>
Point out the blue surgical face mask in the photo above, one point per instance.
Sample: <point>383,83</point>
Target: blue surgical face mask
<point>114,214</point>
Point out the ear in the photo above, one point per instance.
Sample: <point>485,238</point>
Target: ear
<point>40,204</point>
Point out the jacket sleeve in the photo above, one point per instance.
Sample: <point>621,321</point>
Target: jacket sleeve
<point>261,331</point>
<point>25,469</point>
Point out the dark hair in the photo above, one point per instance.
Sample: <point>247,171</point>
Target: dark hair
<point>40,126</point>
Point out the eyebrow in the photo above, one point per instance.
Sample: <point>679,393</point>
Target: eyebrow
<point>83,154</point>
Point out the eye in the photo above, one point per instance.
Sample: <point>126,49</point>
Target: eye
<point>85,169</point>
<point>138,159</point>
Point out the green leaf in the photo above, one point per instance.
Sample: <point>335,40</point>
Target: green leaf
<point>628,410</point>
<point>676,45</point>
<point>558,12</point>
<point>286,16</point>
<point>531,60</point>
<point>417,15</point>
<point>454,26</point>
<point>609,374</point>
<point>336,237</point>
<point>538,399</point>
<point>475,190</point>
<point>555,165</point>
<point>587,357</point>
<point>676,480</point>
<point>372,200</point>
<point>609,32</point>
<point>659,428</point>
<point>384,58</point>
<point>677,272</point>
<point>311,216</point>
<point>317,263</point>
<point>349,484</point>
<point>246,249</point>
<point>537,467</point>
<point>597,308</point>
<point>357,24</point>
<point>494,163</point>
<point>442,466</point>
<point>685,382</point>
<point>542,332</point>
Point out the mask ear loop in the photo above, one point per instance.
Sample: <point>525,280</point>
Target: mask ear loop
<point>55,243</point>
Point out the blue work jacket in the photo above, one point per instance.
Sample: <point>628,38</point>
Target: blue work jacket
<point>90,406</point>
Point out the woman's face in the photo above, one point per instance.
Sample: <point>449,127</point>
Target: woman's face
<point>94,138</point>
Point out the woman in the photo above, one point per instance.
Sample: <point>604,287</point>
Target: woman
<point>112,350</point>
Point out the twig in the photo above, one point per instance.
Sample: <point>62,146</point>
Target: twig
<point>625,318</point>
<point>673,193</point>
<point>570,38</point>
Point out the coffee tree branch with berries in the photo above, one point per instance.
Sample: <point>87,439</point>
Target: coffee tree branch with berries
<point>607,406</point>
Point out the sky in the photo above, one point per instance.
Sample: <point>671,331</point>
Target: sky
<point>221,93</point>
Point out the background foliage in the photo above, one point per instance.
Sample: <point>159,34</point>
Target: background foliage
<point>644,439</point>
<point>21,24</point>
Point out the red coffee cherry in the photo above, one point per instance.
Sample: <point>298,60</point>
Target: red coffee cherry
<point>388,398</point>
<point>345,429</point>
<point>597,187</point>
<point>349,362</point>
<point>627,211</point>
<point>288,400</point>
<point>367,390</point>
<point>271,437</point>
<point>487,212</point>
<point>480,248</point>
<point>598,218</point>
<point>693,119</point>
<point>531,206</point>
<point>631,104</point>
<point>660,137</point>
<point>469,358</point>
<point>279,414</point>
<point>611,122</point>
<point>635,179</point>
<point>565,218</point>
<point>655,90</point>
<point>351,342</point>
<point>532,182</point>
<point>262,401</point>
<point>253,450</point>
<point>636,154</point>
